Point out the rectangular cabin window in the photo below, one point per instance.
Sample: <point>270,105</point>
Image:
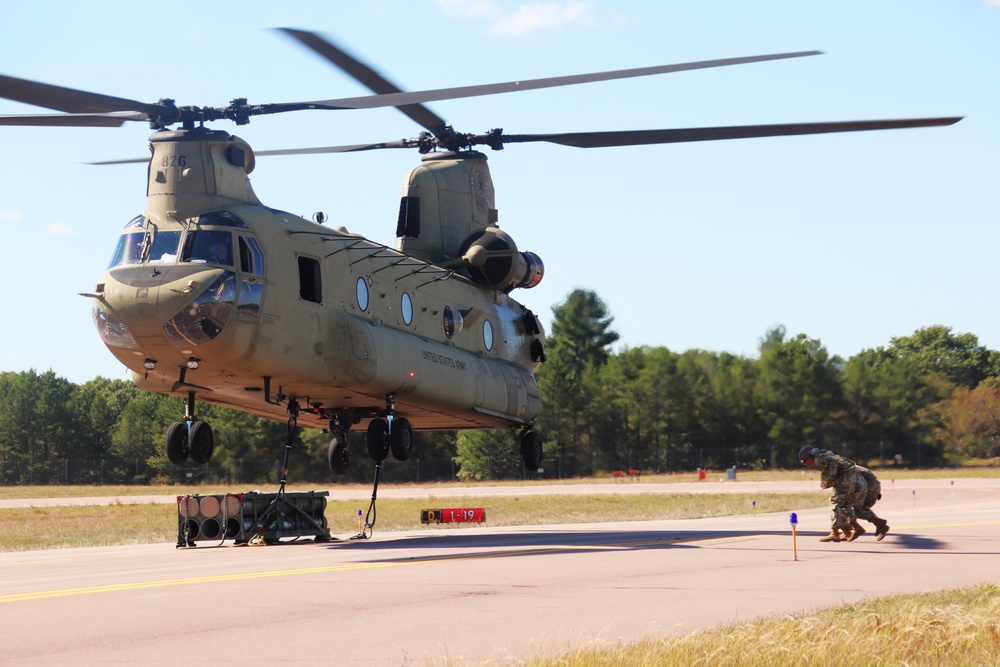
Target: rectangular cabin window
<point>310,284</point>
<point>408,223</point>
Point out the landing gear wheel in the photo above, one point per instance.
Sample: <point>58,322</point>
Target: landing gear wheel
<point>531,450</point>
<point>202,442</point>
<point>339,454</point>
<point>401,438</point>
<point>378,440</point>
<point>177,443</point>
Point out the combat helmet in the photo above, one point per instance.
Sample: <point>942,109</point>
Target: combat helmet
<point>808,452</point>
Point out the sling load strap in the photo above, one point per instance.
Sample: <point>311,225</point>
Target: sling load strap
<point>258,537</point>
<point>366,531</point>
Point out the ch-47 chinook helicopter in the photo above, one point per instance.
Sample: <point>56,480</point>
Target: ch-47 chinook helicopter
<point>213,296</point>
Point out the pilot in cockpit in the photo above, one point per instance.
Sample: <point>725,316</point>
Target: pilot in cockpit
<point>219,254</point>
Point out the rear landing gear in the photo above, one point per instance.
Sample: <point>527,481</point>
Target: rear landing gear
<point>377,440</point>
<point>531,449</point>
<point>392,434</point>
<point>339,453</point>
<point>384,436</point>
<point>389,435</point>
<point>401,438</point>
<point>382,439</point>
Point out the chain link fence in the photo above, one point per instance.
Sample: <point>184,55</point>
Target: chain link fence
<point>117,471</point>
<point>107,471</point>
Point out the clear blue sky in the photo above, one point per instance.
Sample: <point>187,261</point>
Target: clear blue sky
<point>851,239</point>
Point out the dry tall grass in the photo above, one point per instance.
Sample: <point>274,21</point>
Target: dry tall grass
<point>957,628</point>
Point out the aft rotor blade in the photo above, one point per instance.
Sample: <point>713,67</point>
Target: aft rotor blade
<point>355,148</point>
<point>67,99</point>
<point>417,97</point>
<point>643,137</point>
<point>418,113</point>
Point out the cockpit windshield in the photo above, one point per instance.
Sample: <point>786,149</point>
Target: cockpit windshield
<point>139,243</point>
<point>142,242</point>
<point>164,248</point>
<point>129,249</point>
<point>209,246</point>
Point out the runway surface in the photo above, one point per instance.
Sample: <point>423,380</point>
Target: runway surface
<point>467,595</point>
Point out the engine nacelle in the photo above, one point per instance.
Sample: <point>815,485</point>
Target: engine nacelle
<point>492,258</point>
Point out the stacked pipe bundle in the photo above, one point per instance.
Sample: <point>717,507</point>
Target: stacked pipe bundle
<point>244,516</point>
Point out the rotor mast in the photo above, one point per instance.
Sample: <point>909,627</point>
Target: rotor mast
<point>196,170</point>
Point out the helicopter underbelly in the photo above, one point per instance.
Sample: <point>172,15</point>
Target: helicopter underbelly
<point>355,363</point>
<point>337,361</point>
<point>429,373</point>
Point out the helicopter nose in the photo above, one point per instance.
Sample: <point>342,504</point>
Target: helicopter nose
<point>200,320</point>
<point>141,301</point>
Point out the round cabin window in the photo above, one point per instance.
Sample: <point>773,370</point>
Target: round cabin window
<point>362,294</point>
<point>407,308</point>
<point>488,334</point>
<point>453,321</point>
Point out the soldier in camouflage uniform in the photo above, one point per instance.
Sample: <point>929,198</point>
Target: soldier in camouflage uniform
<point>849,489</point>
<point>864,510</point>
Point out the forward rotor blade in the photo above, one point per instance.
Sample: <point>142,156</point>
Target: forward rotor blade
<point>72,119</point>
<point>417,97</point>
<point>134,160</point>
<point>643,137</point>
<point>67,99</point>
<point>405,143</point>
<point>378,84</point>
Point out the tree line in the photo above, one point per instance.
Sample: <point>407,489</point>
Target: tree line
<point>110,432</point>
<point>928,399</point>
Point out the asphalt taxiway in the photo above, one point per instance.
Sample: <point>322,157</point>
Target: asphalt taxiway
<point>459,596</point>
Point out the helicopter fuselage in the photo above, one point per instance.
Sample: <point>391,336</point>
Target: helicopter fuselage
<point>248,307</point>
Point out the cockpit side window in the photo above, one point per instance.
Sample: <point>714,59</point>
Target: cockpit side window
<point>251,257</point>
<point>209,246</point>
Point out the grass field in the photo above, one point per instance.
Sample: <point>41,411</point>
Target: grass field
<point>33,528</point>
<point>61,527</point>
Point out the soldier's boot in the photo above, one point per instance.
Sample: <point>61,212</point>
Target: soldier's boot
<point>834,536</point>
<point>856,531</point>
<point>881,528</point>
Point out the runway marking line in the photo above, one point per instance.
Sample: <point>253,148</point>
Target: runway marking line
<point>111,588</point>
